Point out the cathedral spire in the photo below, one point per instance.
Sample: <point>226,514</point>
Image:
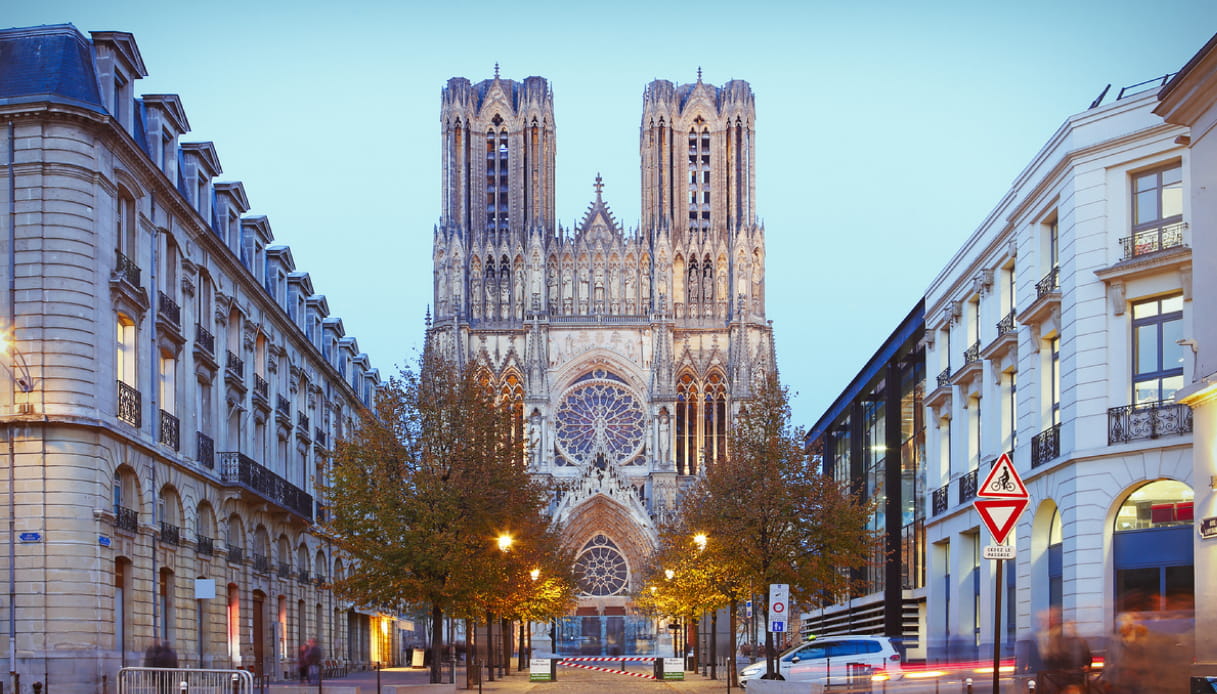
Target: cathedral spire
<point>699,74</point>
<point>496,70</point>
<point>599,186</point>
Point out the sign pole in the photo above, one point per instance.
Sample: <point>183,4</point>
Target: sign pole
<point>997,625</point>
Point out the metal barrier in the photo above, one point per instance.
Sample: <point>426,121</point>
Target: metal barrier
<point>152,680</point>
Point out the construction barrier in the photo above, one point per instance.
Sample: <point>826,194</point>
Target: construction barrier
<point>579,662</point>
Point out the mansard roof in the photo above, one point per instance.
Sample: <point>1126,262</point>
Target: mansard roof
<point>48,63</point>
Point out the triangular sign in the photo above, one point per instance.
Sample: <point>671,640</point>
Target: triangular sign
<point>1003,482</point>
<point>1000,515</point>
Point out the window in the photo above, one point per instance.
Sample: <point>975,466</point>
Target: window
<point>1055,381</point>
<point>168,382</point>
<point>125,357</point>
<point>1157,361</point>
<point>124,220</point>
<point>1157,199</point>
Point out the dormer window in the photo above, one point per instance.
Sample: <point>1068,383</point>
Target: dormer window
<point>120,109</point>
<point>200,192</point>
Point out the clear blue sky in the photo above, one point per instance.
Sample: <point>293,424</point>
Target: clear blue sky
<point>886,130</point>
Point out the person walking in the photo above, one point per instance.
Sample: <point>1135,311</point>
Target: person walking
<point>313,660</point>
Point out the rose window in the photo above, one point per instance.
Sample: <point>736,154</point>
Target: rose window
<point>600,416</point>
<point>600,569</point>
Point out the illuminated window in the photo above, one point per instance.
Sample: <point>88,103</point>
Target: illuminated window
<point>1157,359</point>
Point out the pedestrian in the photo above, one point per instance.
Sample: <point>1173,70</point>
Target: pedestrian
<point>1064,657</point>
<point>313,659</point>
<point>302,662</point>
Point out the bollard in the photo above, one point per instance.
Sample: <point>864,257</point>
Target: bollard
<point>1031,686</point>
<point>37,688</point>
<point>184,687</point>
<point>236,683</point>
<point>378,687</point>
<point>968,685</point>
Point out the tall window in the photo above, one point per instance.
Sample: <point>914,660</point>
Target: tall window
<point>125,358</point>
<point>168,382</point>
<point>165,593</point>
<point>497,178</point>
<point>124,220</point>
<point>1157,358</point>
<point>699,178</point>
<point>688,409</point>
<point>1055,382</point>
<point>1157,204</point>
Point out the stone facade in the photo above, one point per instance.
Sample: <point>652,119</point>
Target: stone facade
<point>628,351</point>
<point>176,386</point>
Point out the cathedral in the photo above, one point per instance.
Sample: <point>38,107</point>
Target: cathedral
<point>628,351</point>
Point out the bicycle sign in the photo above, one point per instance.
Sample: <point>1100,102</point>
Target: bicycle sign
<point>1003,482</point>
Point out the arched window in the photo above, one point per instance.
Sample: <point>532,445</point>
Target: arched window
<point>126,368</point>
<point>688,413</point>
<point>1153,549</point>
<point>715,414</point>
<point>512,391</point>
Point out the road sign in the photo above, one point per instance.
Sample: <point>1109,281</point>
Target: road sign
<point>1003,482</point>
<point>1000,515</point>
<point>999,552</point>
<point>748,609</point>
<point>779,601</point>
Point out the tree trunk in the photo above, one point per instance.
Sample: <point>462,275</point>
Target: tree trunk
<point>505,654</point>
<point>437,643</point>
<point>521,660</point>
<point>733,621</point>
<point>489,647</point>
<point>471,654</point>
<point>714,645</point>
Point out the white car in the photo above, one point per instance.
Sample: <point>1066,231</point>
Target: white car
<point>832,660</point>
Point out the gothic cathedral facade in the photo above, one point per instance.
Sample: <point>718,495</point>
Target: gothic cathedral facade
<point>628,350</point>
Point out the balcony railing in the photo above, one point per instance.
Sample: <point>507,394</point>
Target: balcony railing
<point>127,270</point>
<point>283,406</point>
<point>126,519</point>
<point>944,378</point>
<point>203,338</point>
<point>967,487</point>
<point>1152,240</point>
<point>235,365</point>
<point>302,577</point>
<point>319,436</point>
<point>261,387</point>
<point>1050,283</point>
<point>1006,325</point>
<point>207,450</point>
<point>129,405</point>
<point>236,555</point>
<point>261,563</point>
<point>302,422</point>
<point>972,353</point>
<point>168,308</point>
<point>204,545</point>
<point>170,534</point>
<point>285,570</point>
<point>941,499</point>
<point>240,470</point>
<point>319,579</point>
<point>1147,421</point>
<point>1046,445</point>
<point>169,431</point>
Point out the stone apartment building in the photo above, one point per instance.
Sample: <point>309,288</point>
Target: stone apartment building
<point>173,387</point>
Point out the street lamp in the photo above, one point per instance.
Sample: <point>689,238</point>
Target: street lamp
<point>505,541</point>
<point>700,540</point>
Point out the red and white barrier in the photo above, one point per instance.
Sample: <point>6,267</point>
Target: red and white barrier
<point>605,669</point>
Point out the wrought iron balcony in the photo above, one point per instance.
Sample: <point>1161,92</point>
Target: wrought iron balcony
<point>967,487</point>
<point>1046,445</point>
<point>168,309</point>
<point>261,387</point>
<point>126,519</point>
<point>236,555</point>
<point>941,499</point>
<point>1006,325</point>
<point>127,270</point>
<point>170,534</point>
<point>285,570</point>
<point>1050,283</point>
<point>302,421</point>
<point>283,406</point>
<point>206,450</point>
<point>261,563</point>
<point>203,338</point>
<point>944,378</point>
<point>972,353</point>
<point>238,469</point>
<point>319,436</point>
<point>169,431</point>
<point>1152,240</point>
<point>204,545</point>
<point>302,577</point>
<point>235,364</point>
<point>1147,421</point>
<point>319,579</point>
<point>130,405</point>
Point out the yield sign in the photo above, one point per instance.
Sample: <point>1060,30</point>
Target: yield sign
<point>1003,482</point>
<point>1000,515</point>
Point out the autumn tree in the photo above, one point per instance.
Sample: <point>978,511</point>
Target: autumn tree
<point>776,515</point>
<point>423,487</point>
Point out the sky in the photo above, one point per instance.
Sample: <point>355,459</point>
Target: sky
<point>886,131</point>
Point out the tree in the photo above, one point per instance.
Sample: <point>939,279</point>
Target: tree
<point>421,490</point>
<point>776,515</point>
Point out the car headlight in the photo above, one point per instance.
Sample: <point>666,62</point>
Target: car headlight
<point>752,670</point>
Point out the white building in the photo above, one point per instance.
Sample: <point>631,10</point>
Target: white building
<point>1054,333</point>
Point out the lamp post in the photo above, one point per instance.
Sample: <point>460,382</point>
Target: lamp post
<point>20,373</point>
<point>504,541</point>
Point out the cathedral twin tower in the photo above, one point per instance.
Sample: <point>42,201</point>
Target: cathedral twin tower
<point>627,350</point>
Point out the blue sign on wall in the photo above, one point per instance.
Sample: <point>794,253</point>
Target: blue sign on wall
<point>30,537</point>
<point>103,540</point>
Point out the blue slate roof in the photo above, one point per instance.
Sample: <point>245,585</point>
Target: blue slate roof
<point>48,63</point>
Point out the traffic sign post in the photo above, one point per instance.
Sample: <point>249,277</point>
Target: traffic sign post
<point>1001,500</point>
<point>779,602</point>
